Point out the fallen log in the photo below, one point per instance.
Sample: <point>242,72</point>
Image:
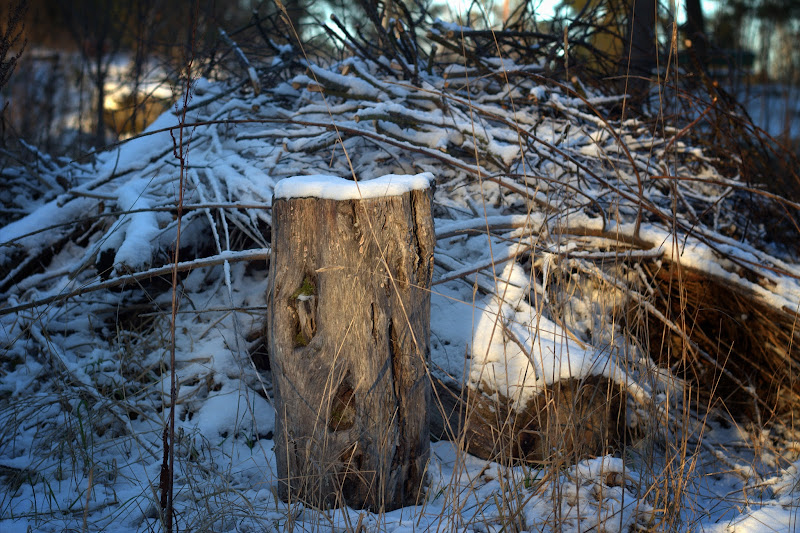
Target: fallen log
<point>534,392</point>
<point>570,420</point>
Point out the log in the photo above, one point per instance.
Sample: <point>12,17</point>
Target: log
<point>348,333</point>
<point>571,420</point>
<point>533,393</point>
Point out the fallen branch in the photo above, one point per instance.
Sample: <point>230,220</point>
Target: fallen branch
<point>225,257</point>
<point>251,71</point>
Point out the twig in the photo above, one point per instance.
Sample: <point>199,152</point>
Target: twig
<point>251,71</point>
<point>472,269</point>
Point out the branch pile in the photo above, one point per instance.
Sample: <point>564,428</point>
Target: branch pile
<point>632,243</point>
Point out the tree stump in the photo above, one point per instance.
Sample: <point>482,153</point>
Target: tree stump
<point>348,334</point>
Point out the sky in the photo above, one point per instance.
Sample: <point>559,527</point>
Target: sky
<point>547,8</point>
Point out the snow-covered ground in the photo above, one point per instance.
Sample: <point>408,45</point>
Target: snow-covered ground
<point>530,183</point>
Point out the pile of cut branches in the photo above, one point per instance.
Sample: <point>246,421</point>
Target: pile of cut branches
<point>515,153</point>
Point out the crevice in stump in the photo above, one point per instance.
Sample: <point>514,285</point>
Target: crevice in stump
<point>303,308</point>
<point>343,407</point>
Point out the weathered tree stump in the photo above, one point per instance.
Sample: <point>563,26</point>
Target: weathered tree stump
<point>348,331</point>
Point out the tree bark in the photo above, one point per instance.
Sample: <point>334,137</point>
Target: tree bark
<point>348,335</point>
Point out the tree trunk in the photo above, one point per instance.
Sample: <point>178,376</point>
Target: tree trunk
<point>696,31</point>
<point>641,44</point>
<point>348,333</point>
<point>296,11</point>
<point>100,87</point>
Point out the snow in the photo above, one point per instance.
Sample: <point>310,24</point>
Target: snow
<point>773,518</point>
<point>549,355</point>
<point>84,380</point>
<point>142,227</point>
<point>156,138</point>
<point>228,411</point>
<point>335,188</point>
<point>31,232</point>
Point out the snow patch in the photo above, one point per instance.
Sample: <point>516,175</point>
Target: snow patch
<point>506,325</point>
<point>142,229</point>
<point>230,412</point>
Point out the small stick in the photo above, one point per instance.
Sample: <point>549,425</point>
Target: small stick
<point>251,72</point>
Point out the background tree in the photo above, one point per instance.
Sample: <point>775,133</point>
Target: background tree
<point>642,47</point>
<point>296,11</point>
<point>98,28</point>
<point>10,40</point>
<point>695,31</point>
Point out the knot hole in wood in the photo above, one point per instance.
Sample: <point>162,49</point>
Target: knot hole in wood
<point>303,306</point>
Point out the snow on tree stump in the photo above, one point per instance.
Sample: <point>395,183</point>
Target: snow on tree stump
<point>348,330</point>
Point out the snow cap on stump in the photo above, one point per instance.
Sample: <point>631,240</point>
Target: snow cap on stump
<point>336,188</point>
